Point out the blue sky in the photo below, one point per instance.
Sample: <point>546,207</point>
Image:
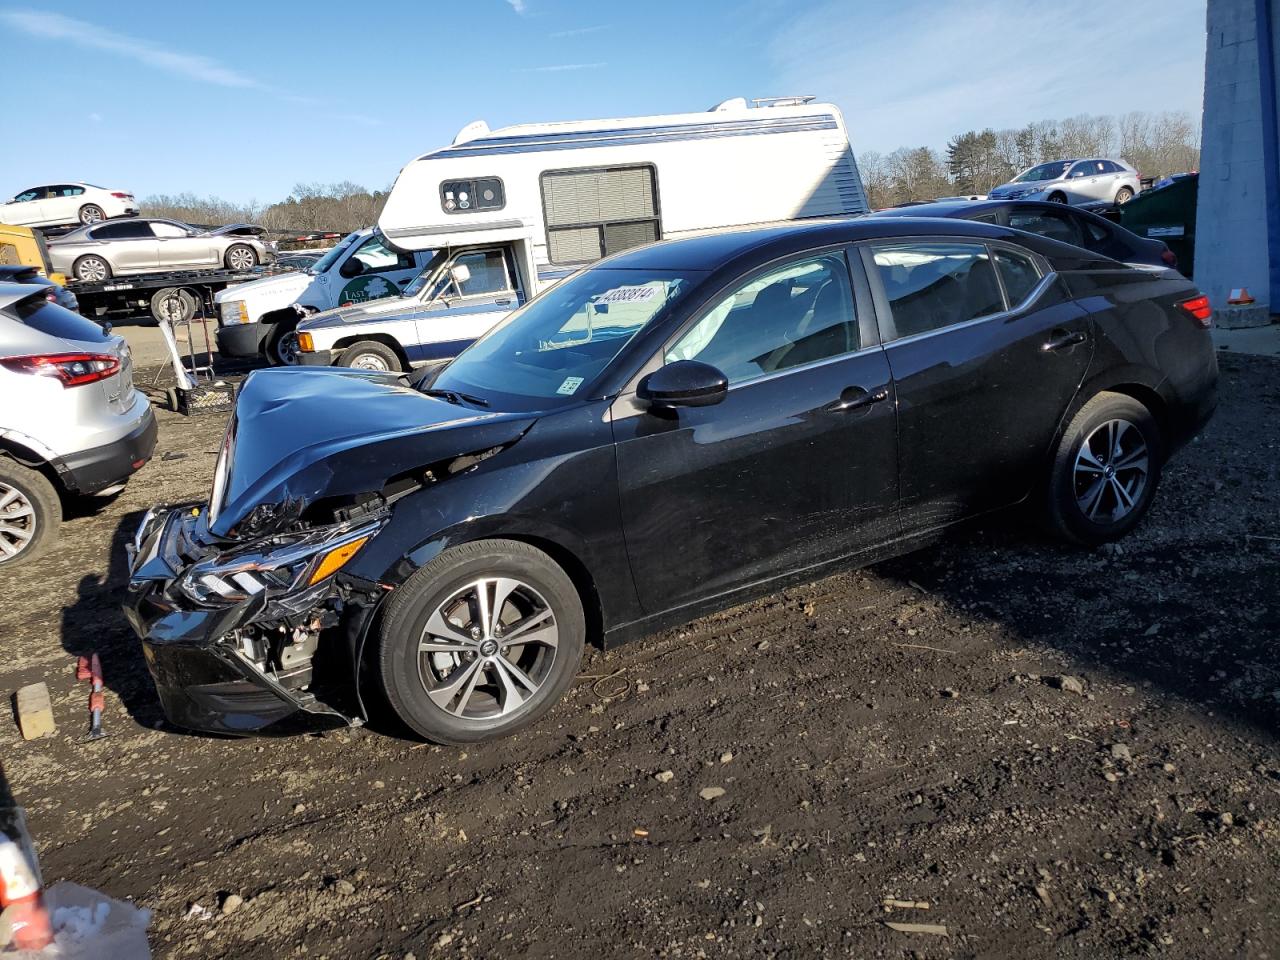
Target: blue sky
<point>243,100</point>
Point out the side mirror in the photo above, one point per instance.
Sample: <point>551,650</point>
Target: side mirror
<point>460,273</point>
<point>352,268</point>
<point>685,383</point>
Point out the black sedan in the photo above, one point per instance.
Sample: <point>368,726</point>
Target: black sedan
<point>1056,221</point>
<point>671,431</point>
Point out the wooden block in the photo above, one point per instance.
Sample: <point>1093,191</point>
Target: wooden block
<point>35,712</point>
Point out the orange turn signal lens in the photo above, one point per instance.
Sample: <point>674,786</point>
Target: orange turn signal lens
<point>305,343</point>
<point>335,559</point>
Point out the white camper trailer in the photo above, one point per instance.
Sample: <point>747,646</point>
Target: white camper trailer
<point>505,212</point>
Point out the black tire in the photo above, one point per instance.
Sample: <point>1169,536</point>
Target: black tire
<point>370,355</point>
<point>281,345</point>
<point>1123,196</point>
<point>29,521</point>
<point>182,302</point>
<point>94,265</point>
<point>91,213</point>
<point>240,252</point>
<point>401,664</point>
<point>1057,197</point>
<point>1072,476</point>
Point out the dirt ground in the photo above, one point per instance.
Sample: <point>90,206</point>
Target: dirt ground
<point>1062,753</point>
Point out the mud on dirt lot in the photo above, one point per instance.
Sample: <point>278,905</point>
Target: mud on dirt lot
<point>1062,753</point>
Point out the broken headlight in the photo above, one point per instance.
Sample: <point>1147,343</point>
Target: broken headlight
<point>283,565</point>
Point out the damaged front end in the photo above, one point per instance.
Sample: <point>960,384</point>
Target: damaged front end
<point>239,637</point>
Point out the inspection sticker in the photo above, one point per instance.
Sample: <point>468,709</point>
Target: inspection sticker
<point>570,384</point>
<point>626,295</point>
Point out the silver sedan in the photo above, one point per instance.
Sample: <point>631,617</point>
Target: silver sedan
<point>140,245</point>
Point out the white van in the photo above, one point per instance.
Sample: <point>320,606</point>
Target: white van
<point>503,213</point>
<point>258,317</point>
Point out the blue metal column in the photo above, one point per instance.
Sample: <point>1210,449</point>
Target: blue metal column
<point>1270,142</point>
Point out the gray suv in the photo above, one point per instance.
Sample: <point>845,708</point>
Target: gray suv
<point>71,422</point>
<point>1073,181</point>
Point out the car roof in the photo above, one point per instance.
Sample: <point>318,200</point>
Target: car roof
<point>726,249</point>
<point>969,208</point>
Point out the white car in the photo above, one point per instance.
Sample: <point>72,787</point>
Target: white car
<point>57,204</point>
<point>1073,181</point>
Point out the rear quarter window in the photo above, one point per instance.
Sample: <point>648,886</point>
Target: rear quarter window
<point>55,321</point>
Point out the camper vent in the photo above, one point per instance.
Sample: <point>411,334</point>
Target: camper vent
<point>472,131</point>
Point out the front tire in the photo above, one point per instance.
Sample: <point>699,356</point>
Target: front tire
<point>241,257</point>
<point>91,269</point>
<point>281,347</point>
<point>29,514</point>
<point>91,213</point>
<point>1123,196</point>
<point>370,355</point>
<point>481,642</point>
<point>1105,470</point>
<point>1057,197</point>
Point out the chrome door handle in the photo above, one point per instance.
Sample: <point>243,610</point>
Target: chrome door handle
<point>1060,340</point>
<point>854,398</point>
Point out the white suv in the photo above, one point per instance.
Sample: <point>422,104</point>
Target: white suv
<point>58,204</point>
<point>71,422</point>
<point>1073,181</point>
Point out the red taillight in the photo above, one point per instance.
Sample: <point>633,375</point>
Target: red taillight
<point>1199,310</point>
<point>73,369</point>
<point>1169,257</point>
<point>121,196</point>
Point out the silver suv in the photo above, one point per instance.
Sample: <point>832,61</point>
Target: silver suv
<point>71,422</point>
<point>1073,181</point>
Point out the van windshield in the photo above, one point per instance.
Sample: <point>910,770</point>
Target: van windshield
<point>327,261</point>
<point>552,350</point>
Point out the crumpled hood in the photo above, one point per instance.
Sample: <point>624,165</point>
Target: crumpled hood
<point>303,434</point>
<point>385,308</point>
<point>239,230</point>
<point>285,287</point>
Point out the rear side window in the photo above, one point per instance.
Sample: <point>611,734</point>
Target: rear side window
<point>1047,223</point>
<point>124,230</point>
<point>931,286</point>
<point>593,213</point>
<point>1019,274</point>
<point>49,318</point>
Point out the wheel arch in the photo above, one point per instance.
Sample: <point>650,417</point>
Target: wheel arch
<point>383,338</point>
<point>1141,383</point>
<point>32,454</point>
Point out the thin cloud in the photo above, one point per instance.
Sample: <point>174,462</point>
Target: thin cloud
<point>518,6</point>
<point>577,32</point>
<point>54,26</point>
<point>562,67</point>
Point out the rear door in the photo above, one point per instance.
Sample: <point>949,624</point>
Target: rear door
<point>63,203</point>
<point>795,466</point>
<point>455,316</point>
<point>987,350</point>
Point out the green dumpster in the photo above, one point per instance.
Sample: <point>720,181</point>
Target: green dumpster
<point>1167,213</point>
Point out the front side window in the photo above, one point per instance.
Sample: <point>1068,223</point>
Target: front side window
<point>377,257</point>
<point>488,269</point>
<point>26,196</point>
<point>167,231</point>
<point>469,196</point>
<point>593,213</point>
<point>930,286</point>
<point>1019,273</point>
<point>552,349</point>
<point>788,317</point>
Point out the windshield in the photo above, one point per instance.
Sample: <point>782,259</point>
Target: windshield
<point>1044,171</point>
<point>415,286</point>
<point>556,346</point>
<point>325,262</point>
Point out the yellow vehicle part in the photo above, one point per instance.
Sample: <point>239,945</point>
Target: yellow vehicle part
<point>22,246</point>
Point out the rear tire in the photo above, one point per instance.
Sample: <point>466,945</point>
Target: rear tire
<point>91,213</point>
<point>30,512</point>
<point>370,355</point>
<point>240,256</point>
<point>479,680</point>
<point>1123,196</point>
<point>1105,470</point>
<point>91,269</point>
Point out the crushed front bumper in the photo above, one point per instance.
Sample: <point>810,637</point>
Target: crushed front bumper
<point>204,679</point>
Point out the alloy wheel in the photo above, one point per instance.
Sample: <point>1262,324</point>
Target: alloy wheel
<point>1111,471</point>
<point>487,649</point>
<point>91,270</point>
<point>17,522</point>
<point>90,215</point>
<point>240,259</point>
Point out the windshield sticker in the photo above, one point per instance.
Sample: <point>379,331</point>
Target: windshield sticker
<point>570,384</point>
<point>626,295</point>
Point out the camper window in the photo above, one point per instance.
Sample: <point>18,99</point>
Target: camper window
<point>592,213</point>
<point>472,196</point>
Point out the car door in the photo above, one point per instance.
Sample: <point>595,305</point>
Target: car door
<point>987,350</point>
<point>795,466</point>
<point>177,246</point>
<point>62,203</point>
<point>371,271</point>
<point>128,245</point>
<point>458,314</point>
<point>27,207</point>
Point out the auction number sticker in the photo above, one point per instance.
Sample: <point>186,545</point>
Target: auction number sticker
<point>570,385</point>
<point>627,295</point>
